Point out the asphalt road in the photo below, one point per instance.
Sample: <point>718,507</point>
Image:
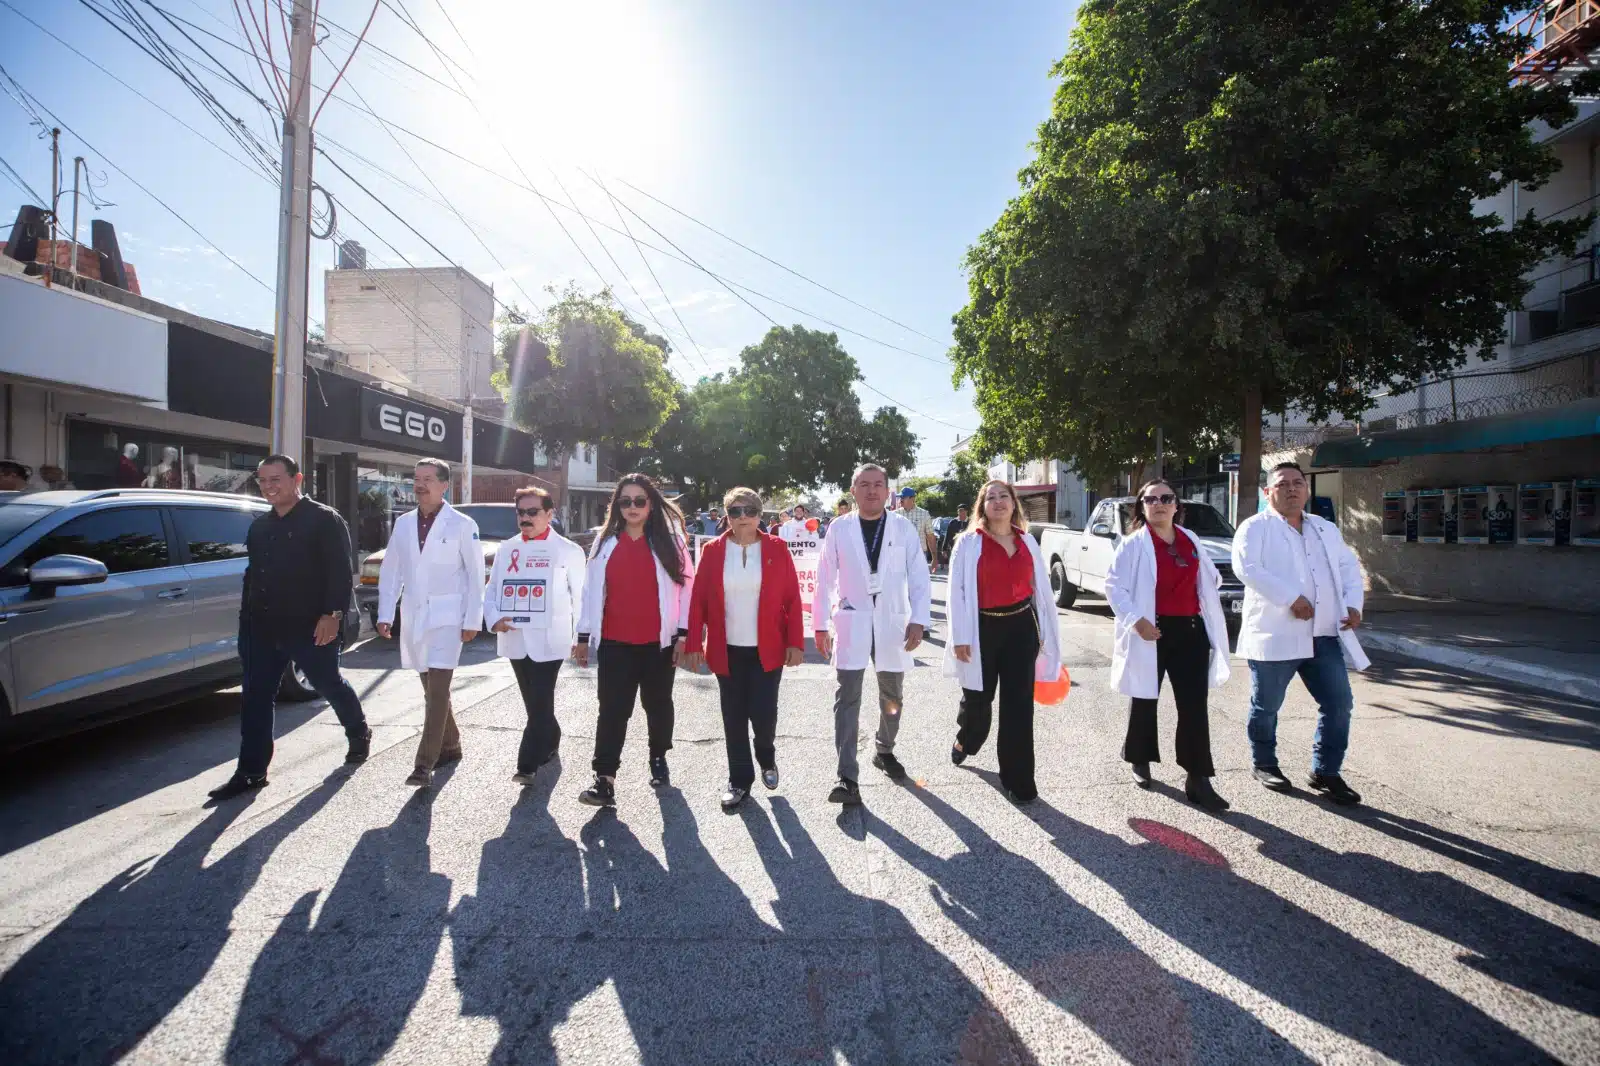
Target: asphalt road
<point>342,918</point>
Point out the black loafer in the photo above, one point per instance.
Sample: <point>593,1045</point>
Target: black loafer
<point>238,785</point>
<point>360,748</point>
<point>957,756</point>
<point>1202,795</point>
<point>660,776</point>
<point>1271,777</point>
<point>889,765</point>
<point>1141,774</point>
<point>845,792</point>
<point>1333,786</point>
<point>603,793</point>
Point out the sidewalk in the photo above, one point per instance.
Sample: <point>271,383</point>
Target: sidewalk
<point>1554,651</point>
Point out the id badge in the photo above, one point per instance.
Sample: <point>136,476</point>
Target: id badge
<point>874,583</point>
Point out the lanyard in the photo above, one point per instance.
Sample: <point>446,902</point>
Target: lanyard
<point>877,543</point>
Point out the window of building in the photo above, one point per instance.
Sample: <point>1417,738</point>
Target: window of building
<point>101,456</point>
<point>213,533</point>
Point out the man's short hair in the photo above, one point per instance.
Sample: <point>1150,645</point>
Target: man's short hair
<point>865,468</point>
<point>440,467</point>
<point>546,500</point>
<point>290,467</point>
<point>1285,466</point>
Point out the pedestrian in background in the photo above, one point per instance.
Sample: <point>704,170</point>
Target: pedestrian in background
<point>1003,634</point>
<point>872,605</point>
<point>1302,603</point>
<point>297,586</point>
<point>921,520</point>
<point>433,572</point>
<point>963,522</point>
<point>635,617</point>
<point>532,600</point>
<point>14,477</point>
<point>1169,624</point>
<point>795,528</point>
<point>745,623</point>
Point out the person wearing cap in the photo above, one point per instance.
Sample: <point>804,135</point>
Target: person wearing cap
<point>919,517</point>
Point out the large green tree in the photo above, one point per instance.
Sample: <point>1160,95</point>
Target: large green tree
<point>582,372</point>
<point>786,418</point>
<point>1238,205</point>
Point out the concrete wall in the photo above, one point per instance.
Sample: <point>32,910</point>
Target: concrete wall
<point>1563,577</point>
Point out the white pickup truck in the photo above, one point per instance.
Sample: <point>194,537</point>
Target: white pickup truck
<point>1078,559</point>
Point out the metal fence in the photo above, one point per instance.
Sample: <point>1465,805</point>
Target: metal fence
<point>1481,393</point>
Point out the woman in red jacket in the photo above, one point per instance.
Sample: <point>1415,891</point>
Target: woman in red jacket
<point>744,622</point>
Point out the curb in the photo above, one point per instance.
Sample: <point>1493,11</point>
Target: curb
<point>1545,678</point>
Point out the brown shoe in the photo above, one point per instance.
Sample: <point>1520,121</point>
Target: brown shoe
<point>420,778</point>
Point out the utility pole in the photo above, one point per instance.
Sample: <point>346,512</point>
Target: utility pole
<point>294,247</point>
<point>77,163</point>
<point>55,204</point>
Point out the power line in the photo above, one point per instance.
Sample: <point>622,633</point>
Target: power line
<point>21,182</point>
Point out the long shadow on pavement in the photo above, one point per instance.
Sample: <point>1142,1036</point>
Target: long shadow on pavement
<point>343,989</point>
<point>1520,712</point>
<point>1287,953</point>
<point>91,989</point>
<point>1075,958</point>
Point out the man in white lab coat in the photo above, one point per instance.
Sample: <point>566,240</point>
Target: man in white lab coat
<point>1302,604</point>
<point>795,527</point>
<point>433,569</point>
<point>873,603</point>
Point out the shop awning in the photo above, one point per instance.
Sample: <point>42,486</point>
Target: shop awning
<point>1580,419</point>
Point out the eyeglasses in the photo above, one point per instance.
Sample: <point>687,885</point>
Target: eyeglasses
<point>1165,497</point>
<point>634,502</point>
<point>529,512</point>
<point>749,511</point>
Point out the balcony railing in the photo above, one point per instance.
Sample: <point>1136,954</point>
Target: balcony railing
<point>1562,34</point>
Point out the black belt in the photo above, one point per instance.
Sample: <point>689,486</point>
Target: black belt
<point>1180,619</point>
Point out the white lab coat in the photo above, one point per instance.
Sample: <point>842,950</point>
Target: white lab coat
<point>964,613</point>
<point>674,598</point>
<point>562,574</point>
<point>843,605</point>
<point>439,589</point>
<point>1131,591</point>
<point>1270,558</point>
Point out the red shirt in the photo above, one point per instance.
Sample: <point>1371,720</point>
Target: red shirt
<point>1003,579</point>
<point>633,607</point>
<point>546,536</point>
<point>1177,587</point>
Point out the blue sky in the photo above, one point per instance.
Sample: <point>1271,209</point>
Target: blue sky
<point>864,145</point>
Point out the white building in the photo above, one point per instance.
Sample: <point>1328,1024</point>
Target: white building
<point>434,325</point>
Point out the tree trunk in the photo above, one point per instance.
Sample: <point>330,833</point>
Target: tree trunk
<point>1250,454</point>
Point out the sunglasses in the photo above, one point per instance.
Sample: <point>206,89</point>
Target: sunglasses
<point>748,511</point>
<point>1165,497</point>
<point>635,502</point>
<point>529,512</point>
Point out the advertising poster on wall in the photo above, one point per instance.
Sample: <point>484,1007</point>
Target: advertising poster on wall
<point>1536,513</point>
<point>1394,515</point>
<point>1502,514</point>
<point>1472,514</point>
<point>1451,505</point>
<point>1430,516</point>
<point>1586,512</point>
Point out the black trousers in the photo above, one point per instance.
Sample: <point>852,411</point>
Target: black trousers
<point>623,673</point>
<point>1183,654</point>
<point>749,705</point>
<point>1008,648</point>
<point>542,735</point>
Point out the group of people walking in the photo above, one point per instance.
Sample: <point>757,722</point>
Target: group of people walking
<point>640,606</point>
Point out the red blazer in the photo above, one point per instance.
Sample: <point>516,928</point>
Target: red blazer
<point>778,622</point>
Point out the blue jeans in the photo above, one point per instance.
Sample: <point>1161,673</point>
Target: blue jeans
<point>265,656</point>
<point>1328,682</point>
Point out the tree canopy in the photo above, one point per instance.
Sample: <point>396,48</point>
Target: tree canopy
<point>582,372</point>
<point>786,418</point>
<point>1244,204</point>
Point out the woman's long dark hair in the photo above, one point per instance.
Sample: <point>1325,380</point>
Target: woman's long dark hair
<point>1139,520</point>
<point>659,528</point>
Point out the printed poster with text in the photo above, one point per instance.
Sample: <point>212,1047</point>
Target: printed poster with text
<point>806,550</point>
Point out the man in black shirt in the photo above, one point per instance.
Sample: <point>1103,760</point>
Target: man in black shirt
<point>296,589</point>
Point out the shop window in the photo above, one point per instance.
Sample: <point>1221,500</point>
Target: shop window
<point>113,457</point>
<point>213,533</point>
<point>126,539</point>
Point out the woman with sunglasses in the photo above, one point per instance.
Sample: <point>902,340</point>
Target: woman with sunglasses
<point>1163,589</point>
<point>744,621</point>
<point>531,602</point>
<point>1003,634</point>
<point>635,616</point>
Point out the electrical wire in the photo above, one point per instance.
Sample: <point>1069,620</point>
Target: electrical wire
<point>337,78</point>
<point>21,182</point>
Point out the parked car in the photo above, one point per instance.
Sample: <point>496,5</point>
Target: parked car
<point>115,602</point>
<point>1078,559</point>
<point>497,522</point>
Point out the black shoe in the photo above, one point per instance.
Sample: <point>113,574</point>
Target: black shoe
<point>1141,774</point>
<point>660,776</point>
<point>845,792</point>
<point>1201,794</point>
<point>889,765</point>
<point>1272,777</point>
<point>1021,798</point>
<point>603,793</point>
<point>957,756</point>
<point>238,785</point>
<point>360,748</point>
<point>733,797</point>
<point>1333,786</point>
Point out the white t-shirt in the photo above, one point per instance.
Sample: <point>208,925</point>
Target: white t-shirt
<point>741,592</point>
<point>1321,593</point>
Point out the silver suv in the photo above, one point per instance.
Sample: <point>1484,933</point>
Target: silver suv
<point>114,602</point>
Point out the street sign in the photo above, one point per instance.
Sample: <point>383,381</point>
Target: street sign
<point>1230,462</point>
